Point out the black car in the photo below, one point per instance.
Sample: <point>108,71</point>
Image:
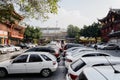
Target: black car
<point>45,49</point>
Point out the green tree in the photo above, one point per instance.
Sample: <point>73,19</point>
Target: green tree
<point>95,30</point>
<point>72,31</point>
<point>91,31</point>
<point>84,31</point>
<point>32,34</point>
<point>32,8</point>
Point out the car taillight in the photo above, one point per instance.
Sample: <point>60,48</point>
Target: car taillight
<point>73,77</point>
<point>54,62</point>
<point>68,60</point>
<point>61,49</point>
<point>57,55</point>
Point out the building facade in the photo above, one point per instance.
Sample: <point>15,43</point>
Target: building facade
<point>11,32</point>
<point>3,34</point>
<point>111,26</point>
<point>53,33</point>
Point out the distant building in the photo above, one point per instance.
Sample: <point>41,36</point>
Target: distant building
<point>111,26</point>
<point>10,31</point>
<point>53,33</point>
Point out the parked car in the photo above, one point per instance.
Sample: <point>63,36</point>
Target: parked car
<point>30,45</point>
<point>71,58</point>
<point>55,45</point>
<point>17,48</point>
<point>45,49</point>
<point>101,73</point>
<point>3,49</point>
<point>110,46</point>
<point>69,45</point>
<point>22,45</point>
<point>77,67</point>
<point>30,62</point>
<point>78,50</point>
<point>65,52</point>
<point>10,48</point>
<point>101,46</point>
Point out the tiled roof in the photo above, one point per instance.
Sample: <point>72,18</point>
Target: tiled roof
<point>115,11</point>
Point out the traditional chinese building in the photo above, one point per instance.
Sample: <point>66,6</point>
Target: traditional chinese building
<point>111,26</point>
<point>10,30</point>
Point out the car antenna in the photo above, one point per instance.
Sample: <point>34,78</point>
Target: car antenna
<point>115,71</point>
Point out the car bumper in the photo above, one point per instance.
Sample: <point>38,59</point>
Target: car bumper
<point>67,64</point>
<point>67,77</point>
<point>54,68</point>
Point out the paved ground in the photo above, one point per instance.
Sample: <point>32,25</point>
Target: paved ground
<point>58,75</point>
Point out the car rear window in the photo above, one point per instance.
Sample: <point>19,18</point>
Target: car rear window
<point>46,57</point>
<point>77,65</point>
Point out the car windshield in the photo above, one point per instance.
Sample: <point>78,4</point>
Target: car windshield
<point>77,65</point>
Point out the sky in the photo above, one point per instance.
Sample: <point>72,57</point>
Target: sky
<point>78,13</point>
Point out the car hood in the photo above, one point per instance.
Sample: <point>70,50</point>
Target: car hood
<point>5,63</point>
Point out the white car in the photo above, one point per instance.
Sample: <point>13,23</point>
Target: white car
<point>66,52</point>
<point>15,48</point>
<point>102,46</point>
<point>71,58</point>
<point>101,73</point>
<point>30,62</point>
<point>76,51</point>
<point>3,49</point>
<point>76,67</point>
<point>10,48</point>
<point>30,45</point>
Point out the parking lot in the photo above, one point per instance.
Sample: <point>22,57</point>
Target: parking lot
<point>58,75</point>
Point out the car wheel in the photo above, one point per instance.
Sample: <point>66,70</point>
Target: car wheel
<point>45,72</point>
<point>3,72</point>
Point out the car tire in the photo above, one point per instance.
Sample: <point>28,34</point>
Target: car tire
<point>3,73</point>
<point>46,72</point>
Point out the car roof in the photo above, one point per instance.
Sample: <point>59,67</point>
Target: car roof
<point>82,48</point>
<point>74,44</point>
<point>36,53</point>
<point>102,73</point>
<point>46,47</point>
<point>97,60</point>
<point>89,52</point>
<point>75,48</point>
